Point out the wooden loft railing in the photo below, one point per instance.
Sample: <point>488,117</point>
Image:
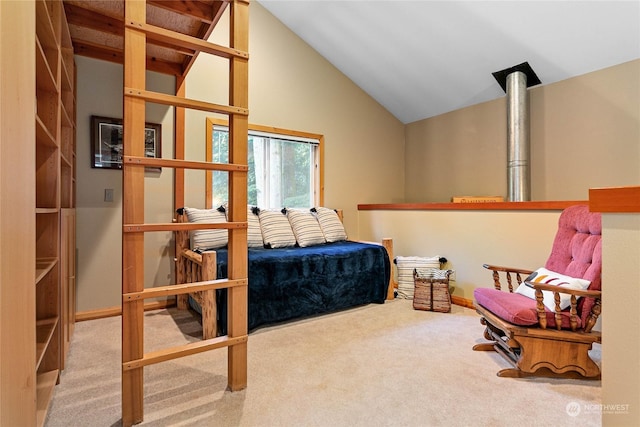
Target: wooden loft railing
<point>615,199</point>
<point>137,33</point>
<point>476,206</point>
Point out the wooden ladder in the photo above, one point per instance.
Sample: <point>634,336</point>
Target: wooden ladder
<point>134,359</point>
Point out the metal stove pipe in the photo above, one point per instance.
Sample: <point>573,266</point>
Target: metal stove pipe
<point>519,175</point>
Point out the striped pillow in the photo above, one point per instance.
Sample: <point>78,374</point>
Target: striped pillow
<point>208,239</point>
<point>276,230</point>
<point>406,265</point>
<point>305,227</point>
<point>254,234</point>
<point>331,226</point>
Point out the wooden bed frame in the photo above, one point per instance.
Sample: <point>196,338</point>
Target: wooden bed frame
<point>194,267</point>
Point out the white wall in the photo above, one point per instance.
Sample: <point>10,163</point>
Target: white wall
<point>468,239</point>
<point>621,319</point>
<point>99,223</point>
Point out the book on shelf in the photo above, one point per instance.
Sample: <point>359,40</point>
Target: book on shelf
<point>477,199</point>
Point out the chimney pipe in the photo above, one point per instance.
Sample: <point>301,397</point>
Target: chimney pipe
<point>515,81</point>
<point>519,176</point>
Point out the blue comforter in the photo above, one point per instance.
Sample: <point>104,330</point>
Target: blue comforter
<point>292,283</point>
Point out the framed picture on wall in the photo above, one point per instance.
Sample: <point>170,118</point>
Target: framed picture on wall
<point>106,142</point>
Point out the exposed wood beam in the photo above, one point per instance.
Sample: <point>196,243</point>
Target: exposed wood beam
<point>218,9</point>
<point>81,17</point>
<point>92,50</point>
<point>192,8</point>
<point>164,67</point>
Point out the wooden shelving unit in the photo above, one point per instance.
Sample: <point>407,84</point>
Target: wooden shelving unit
<point>55,192</point>
<point>37,179</point>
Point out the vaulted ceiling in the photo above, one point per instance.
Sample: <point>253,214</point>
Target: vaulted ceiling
<point>423,58</point>
<point>418,59</point>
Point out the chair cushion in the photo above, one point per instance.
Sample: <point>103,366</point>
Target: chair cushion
<point>577,250</point>
<point>514,308</point>
<point>517,309</point>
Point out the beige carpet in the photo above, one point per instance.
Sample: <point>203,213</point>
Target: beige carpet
<point>378,365</point>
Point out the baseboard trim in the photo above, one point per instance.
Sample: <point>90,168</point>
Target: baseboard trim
<point>117,311</point>
<point>464,302</point>
<point>157,305</point>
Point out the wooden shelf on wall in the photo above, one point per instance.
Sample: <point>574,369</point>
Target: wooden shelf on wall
<point>481,206</point>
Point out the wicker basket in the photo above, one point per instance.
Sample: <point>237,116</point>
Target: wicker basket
<point>432,290</point>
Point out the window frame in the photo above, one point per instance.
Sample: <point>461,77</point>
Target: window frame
<point>319,173</point>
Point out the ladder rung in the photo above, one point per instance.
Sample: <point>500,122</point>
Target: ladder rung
<point>162,98</point>
<point>182,288</point>
<point>182,164</point>
<point>182,40</point>
<point>183,350</point>
<point>181,226</point>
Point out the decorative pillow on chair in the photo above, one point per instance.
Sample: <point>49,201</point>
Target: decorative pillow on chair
<point>548,277</point>
<point>276,230</point>
<point>330,224</point>
<point>406,265</point>
<point>305,227</point>
<point>208,239</point>
<point>254,233</point>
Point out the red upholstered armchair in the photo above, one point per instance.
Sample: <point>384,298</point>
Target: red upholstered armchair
<point>549,334</point>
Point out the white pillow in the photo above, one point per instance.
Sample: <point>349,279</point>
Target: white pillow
<point>254,233</point>
<point>548,277</point>
<point>305,227</point>
<point>330,224</point>
<point>208,239</point>
<point>406,265</point>
<point>276,230</point>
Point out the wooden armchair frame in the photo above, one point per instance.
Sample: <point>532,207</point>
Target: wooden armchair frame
<point>548,348</point>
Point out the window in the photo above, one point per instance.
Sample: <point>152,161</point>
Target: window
<point>284,167</point>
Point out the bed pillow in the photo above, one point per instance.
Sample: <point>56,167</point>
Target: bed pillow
<point>276,230</point>
<point>548,277</point>
<point>330,224</point>
<point>306,227</point>
<point>208,239</point>
<point>406,265</point>
<point>254,233</point>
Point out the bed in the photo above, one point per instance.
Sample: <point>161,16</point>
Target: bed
<point>290,282</point>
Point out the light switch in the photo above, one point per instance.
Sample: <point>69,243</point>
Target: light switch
<point>108,194</point>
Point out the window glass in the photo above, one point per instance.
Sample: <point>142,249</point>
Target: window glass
<point>283,169</point>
